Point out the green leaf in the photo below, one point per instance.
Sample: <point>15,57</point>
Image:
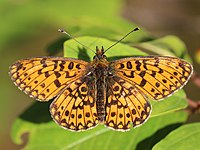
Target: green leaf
<point>48,135</point>
<point>168,45</point>
<point>184,138</point>
<point>75,50</point>
<point>175,102</point>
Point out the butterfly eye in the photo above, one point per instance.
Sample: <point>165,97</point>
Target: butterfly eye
<point>94,57</point>
<point>104,56</point>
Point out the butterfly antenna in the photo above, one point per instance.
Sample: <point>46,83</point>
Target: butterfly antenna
<point>135,29</point>
<point>63,31</point>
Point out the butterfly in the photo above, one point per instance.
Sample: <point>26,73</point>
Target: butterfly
<point>112,93</point>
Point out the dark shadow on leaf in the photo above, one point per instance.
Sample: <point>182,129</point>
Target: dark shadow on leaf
<point>82,54</point>
<point>37,113</point>
<point>149,142</point>
<point>56,46</point>
<point>147,39</point>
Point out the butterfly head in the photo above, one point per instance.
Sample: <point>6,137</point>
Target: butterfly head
<point>99,54</point>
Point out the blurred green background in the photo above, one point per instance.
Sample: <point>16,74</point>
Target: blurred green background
<point>29,28</point>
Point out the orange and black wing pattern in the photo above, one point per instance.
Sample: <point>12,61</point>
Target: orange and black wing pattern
<point>75,108</point>
<point>44,78</point>
<point>155,76</point>
<point>126,105</point>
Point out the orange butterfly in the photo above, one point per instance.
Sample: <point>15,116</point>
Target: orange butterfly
<point>100,92</point>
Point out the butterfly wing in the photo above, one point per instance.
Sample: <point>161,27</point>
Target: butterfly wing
<point>125,105</point>
<point>43,78</point>
<point>75,107</point>
<point>155,76</point>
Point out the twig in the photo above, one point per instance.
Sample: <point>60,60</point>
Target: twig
<point>194,106</point>
<point>196,79</point>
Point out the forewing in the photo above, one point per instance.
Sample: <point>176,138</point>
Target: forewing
<point>156,76</point>
<point>43,78</point>
<point>75,108</point>
<point>125,105</point>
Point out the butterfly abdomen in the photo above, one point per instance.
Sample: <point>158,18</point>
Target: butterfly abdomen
<point>100,93</point>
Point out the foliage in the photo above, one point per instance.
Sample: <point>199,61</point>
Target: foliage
<point>38,123</point>
<point>100,26</point>
<point>47,135</point>
<point>185,137</point>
